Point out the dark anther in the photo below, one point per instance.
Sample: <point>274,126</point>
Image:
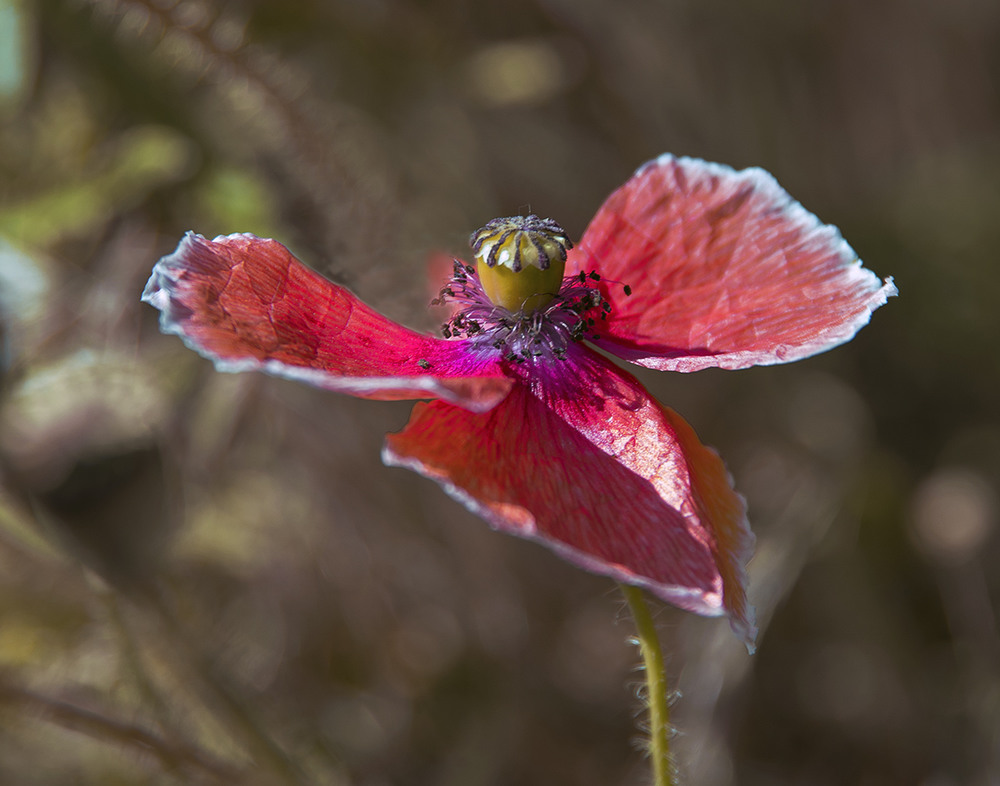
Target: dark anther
<point>583,277</point>
<point>423,364</point>
<point>594,275</point>
<point>446,330</point>
<point>628,290</point>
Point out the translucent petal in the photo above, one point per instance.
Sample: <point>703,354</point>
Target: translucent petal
<point>725,269</point>
<point>589,464</point>
<point>248,305</point>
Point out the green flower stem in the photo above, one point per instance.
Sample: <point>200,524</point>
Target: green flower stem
<point>664,773</point>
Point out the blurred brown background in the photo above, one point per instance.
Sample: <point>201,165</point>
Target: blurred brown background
<point>212,579</point>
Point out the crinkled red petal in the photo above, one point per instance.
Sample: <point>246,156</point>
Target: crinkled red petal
<point>725,268</point>
<point>248,304</point>
<point>589,464</point>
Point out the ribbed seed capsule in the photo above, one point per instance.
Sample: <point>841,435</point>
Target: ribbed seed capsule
<point>520,261</point>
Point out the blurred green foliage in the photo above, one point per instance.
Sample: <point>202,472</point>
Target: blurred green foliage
<point>208,579</point>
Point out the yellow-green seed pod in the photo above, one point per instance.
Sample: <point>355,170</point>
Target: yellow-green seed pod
<point>520,261</point>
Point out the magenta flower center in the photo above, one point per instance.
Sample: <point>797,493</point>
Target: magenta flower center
<point>544,334</point>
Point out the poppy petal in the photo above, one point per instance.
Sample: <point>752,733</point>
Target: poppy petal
<point>725,268</point>
<point>589,464</point>
<point>247,304</point>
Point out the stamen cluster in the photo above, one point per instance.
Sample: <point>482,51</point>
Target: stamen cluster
<point>543,334</point>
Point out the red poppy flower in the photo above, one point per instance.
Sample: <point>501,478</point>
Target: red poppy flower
<point>688,265</point>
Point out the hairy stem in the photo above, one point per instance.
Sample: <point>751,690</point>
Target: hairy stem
<point>664,772</point>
